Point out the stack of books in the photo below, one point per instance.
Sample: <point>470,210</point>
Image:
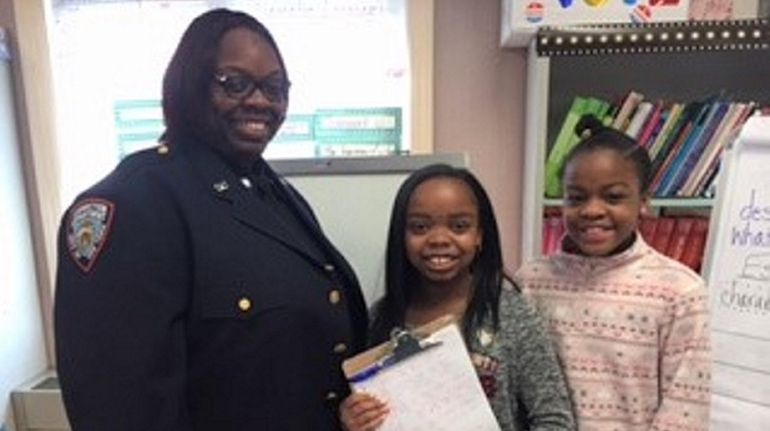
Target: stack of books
<point>685,140</point>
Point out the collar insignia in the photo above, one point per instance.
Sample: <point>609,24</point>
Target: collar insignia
<point>221,186</point>
<point>87,231</point>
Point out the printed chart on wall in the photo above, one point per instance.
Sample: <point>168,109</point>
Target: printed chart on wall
<point>738,274</point>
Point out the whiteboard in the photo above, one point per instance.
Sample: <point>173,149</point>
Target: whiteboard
<point>353,198</point>
<point>737,272</point>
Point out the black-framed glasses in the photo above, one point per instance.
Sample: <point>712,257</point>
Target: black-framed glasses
<point>240,86</point>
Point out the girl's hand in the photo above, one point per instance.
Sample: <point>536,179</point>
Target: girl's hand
<point>362,412</point>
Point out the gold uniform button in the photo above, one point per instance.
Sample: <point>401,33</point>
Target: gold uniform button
<point>340,348</point>
<point>334,296</point>
<point>331,396</point>
<point>244,304</point>
<point>329,268</point>
<point>162,149</point>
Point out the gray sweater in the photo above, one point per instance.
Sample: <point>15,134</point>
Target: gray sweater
<point>519,370</point>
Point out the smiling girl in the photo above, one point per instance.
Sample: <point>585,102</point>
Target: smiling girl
<point>630,324</point>
<point>444,257</point>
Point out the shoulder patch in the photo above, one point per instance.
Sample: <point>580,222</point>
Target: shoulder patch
<point>88,228</point>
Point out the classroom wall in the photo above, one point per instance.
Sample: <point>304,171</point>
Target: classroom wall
<point>479,105</point>
<point>22,344</point>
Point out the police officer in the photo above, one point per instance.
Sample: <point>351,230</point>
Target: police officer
<point>195,289</point>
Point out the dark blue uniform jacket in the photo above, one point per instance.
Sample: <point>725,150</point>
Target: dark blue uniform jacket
<point>196,309</point>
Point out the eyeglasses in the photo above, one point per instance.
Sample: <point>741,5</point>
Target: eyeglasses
<point>240,86</point>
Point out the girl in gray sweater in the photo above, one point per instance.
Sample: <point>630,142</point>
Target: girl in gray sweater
<point>443,257</point>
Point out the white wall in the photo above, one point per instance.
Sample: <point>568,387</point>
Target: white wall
<point>22,346</point>
<point>479,106</point>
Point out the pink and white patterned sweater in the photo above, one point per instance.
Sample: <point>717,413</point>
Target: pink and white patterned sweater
<point>632,333</point>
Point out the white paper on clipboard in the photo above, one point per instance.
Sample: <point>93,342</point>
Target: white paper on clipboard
<point>434,389</point>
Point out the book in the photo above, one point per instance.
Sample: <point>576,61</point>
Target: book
<point>664,163</point>
<point>675,166</point>
<point>708,186</point>
<point>663,231</point>
<point>678,241</point>
<point>647,226</point>
<point>672,117</point>
<point>559,149</point>
<point>697,150</point>
<point>654,123</point>
<point>674,142</point>
<point>696,244</point>
<point>688,189</point>
<point>567,139</point>
<point>730,133</point>
<point>639,119</point>
<point>612,112</point>
<point>693,150</point>
<point>628,106</point>
<point>675,122</point>
<point>554,229</point>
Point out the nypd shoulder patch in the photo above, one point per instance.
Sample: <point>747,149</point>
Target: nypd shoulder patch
<point>88,229</point>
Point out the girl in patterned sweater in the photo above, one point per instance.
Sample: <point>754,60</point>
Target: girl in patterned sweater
<point>630,324</point>
<point>444,257</point>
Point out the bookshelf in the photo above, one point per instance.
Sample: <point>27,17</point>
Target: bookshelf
<point>658,203</point>
<point>677,60</point>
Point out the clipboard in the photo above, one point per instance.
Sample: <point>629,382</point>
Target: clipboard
<point>427,379</point>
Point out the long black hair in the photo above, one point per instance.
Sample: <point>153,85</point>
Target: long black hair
<point>188,76</point>
<point>402,279</point>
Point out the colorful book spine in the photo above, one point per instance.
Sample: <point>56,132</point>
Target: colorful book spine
<point>670,137</point>
<point>653,124</point>
<point>696,244</point>
<point>672,118</point>
<point>730,134</point>
<point>672,149</point>
<point>697,149</point>
<point>639,119</point>
<point>632,100</point>
<point>679,170</point>
<point>711,149</point>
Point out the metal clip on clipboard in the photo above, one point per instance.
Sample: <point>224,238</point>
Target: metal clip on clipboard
<point>406,344</point>
<point>403,345</point>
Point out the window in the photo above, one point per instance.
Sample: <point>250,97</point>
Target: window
<point>348,60</point>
